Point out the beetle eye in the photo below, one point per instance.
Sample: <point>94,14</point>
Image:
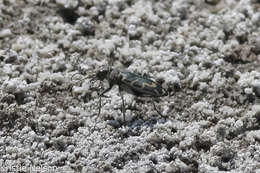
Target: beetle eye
<point>101,74</point>
<point>160,81</point>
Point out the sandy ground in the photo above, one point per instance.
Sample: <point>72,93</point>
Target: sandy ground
<point>207,52</point>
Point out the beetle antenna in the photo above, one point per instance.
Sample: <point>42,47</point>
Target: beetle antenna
<point>157,109</point>
<point>93,77</point>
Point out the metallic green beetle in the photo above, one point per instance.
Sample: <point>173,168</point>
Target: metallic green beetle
<point>132,83</point>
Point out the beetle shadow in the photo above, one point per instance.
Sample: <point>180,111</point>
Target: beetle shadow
<point>150,122</point>
<point>138,122</point>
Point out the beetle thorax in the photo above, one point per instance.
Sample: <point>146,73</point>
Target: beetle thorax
<point>115,76</point>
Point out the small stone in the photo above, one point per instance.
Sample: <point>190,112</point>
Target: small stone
<point>256,88</point>
<point>11,58</point>
<point>5,33</point>
<point>248,90</point>
<point>68,3</point>
<point>85,26</point>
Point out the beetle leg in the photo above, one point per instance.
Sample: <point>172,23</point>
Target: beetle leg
<point>105,91</point>
<point>123,104</point>
<point>102,95</point>
<point>157,109</point>
<point>99,107</point>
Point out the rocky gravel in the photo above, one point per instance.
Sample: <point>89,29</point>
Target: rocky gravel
<point>206,52</point>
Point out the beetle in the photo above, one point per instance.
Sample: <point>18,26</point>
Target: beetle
<point>138,85</point>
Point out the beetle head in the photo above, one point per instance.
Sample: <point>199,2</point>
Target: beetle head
<point>102,73</point>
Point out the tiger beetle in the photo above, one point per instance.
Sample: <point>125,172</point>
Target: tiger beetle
<point>138,85</point>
